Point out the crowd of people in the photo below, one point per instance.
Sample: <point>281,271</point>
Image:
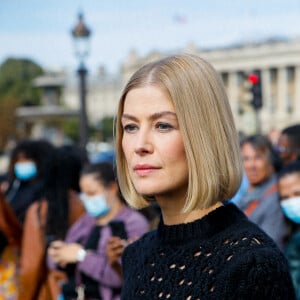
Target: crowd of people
<point>188,209</point>
<point>58,211</point>
<point>270,196</point>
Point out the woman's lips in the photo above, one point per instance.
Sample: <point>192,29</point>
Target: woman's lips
<point>144,169</point>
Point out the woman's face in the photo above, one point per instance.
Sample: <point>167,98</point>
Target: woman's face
<point>257,165</point>
<point>289,186</point>
<point>97,200</point>
<point>152,144</point>
<point>286,154</point>
<point>90,186</point>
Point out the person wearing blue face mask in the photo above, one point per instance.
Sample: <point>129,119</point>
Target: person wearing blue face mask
<point>96,206</point>
<point>83,252</point>
<point>25,170</point>
<point>289,189</point>
<point>25,175</point>
<point>49,219</point>
<point>22,187</point>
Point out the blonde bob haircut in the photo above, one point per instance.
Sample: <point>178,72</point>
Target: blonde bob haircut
<point>206,124</point>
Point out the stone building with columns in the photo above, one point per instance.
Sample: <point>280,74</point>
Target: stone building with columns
<point>279,64</point>
<point>277,60</point>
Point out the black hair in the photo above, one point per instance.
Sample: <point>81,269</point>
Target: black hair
<point>293,134</point>
<point>44,151</point>
<point>291,168</point>
<point>62,176</point>
<point>37,150</point>
<point>288,169</point>
<point>103,172</point>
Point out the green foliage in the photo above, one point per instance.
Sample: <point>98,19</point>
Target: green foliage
<point>71,129</point>
<point>107,127</point>
<point>16,77</point>
<point>103,131</point>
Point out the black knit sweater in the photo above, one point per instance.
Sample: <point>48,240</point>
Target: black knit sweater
<point>221,256</point>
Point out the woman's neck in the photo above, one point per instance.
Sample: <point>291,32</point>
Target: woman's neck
<point>175,216</point>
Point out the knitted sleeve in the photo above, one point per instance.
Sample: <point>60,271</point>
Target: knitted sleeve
<point>262,274</point>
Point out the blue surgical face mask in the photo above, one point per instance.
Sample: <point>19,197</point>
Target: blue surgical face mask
<point>96,205</point>
<point>291,208</point>
<point>25,170</point>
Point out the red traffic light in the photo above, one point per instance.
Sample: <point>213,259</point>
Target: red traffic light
<point>253,78</point>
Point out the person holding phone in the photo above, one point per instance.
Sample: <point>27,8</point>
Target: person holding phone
<point>83,252</point>
<point>176,144</point>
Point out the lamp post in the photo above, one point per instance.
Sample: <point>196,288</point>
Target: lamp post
<point>81,35</point>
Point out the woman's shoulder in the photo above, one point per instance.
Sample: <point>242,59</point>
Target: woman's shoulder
<point>37,212</point>
<point>147,237</point>
<point>250,263</point>
<point>76,207</point>
<point>245,235</point>
<point>258,249</point>
<point>261,266</point>
<point>37,205</point>
<point>246,244</point>
<point>144,243</point>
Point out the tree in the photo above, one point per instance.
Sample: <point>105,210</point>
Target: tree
<point>71,129</point>
<point>16,77</point>
<point>16,89</point>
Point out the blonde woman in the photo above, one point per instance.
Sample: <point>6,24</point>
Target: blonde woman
<point>177,145</point>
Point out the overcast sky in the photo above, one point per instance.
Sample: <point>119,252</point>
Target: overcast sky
<point>41,30</point>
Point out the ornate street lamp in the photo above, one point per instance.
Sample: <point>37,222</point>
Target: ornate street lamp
<point>81,35</point>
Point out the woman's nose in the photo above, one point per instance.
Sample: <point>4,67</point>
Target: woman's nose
<point>144,143</point>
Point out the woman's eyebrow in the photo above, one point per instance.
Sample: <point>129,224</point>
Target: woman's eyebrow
<point>129,117</point>
<point>154,116</point>
<point>158,115</point>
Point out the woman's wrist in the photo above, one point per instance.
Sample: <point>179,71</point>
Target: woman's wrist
<point>81,254</point>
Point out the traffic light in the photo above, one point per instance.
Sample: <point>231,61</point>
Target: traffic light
<point>256,90</point>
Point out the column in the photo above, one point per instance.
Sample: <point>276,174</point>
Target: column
<point>233,92</point>
<point>282,91</point>
<point>296,108</point>
<point>266,112</point>
<point>266,90</point>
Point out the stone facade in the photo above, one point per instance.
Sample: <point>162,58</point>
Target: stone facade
<point>277,60</point>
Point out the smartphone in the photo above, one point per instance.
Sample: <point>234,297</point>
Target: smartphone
<point>118,229</point>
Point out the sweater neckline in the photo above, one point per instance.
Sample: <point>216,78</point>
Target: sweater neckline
<point>214,222</point>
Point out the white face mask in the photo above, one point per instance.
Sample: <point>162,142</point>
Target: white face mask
<point>291,208</point>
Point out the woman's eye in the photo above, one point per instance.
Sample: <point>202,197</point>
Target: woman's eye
<point>129,127</point>
<point>164,126</point>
